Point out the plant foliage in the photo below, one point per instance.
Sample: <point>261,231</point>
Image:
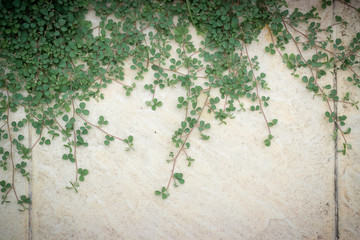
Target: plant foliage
<point>53,61</point>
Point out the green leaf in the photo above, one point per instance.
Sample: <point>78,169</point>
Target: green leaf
<point>62,21</point>
<point>65,118</point>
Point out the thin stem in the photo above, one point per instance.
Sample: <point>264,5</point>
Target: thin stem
<point>315,81</point>
<point>185,141</point>
<point>121,139</point>
<point>257,89</point>
<point>153,95</point>
<point>326,50</point>
<point>348,5</point>
<point>36,142</point>
<point>272,39</point>
<point>226,97</point>
<point>117,81</point>
<point>11,146</point>
<point>76,163</point>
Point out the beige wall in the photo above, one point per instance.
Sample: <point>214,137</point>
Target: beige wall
<point>237,188</point>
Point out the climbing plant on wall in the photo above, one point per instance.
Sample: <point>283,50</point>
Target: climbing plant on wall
<point>53,61</point>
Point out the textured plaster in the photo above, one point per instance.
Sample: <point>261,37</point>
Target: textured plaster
<point>236,189</point>
<point>349,165</point>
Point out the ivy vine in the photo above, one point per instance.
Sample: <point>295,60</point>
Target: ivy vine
<point>53,61</point>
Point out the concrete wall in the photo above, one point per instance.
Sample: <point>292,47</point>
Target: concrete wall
<point>237,188</point>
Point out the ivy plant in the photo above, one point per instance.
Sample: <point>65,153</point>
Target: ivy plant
<point>53,62</point>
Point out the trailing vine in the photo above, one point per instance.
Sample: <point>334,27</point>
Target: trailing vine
<point>53,61</point>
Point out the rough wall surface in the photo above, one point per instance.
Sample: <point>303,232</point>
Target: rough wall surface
<point>236,189</point>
